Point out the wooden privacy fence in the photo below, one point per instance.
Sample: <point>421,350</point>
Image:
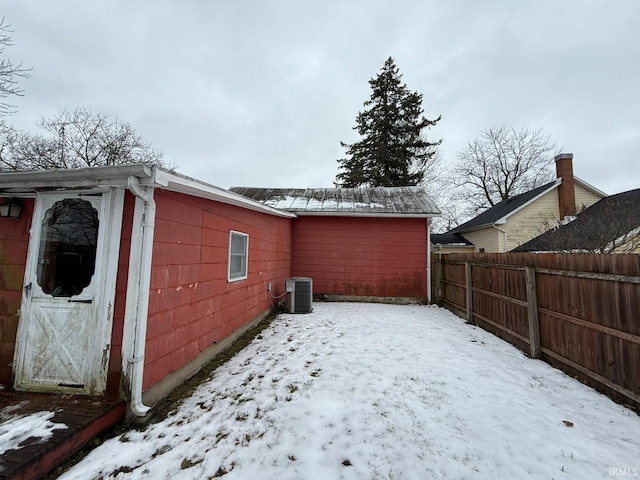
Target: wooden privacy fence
<point>578,312</point>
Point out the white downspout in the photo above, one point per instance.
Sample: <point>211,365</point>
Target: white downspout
<point>140,304</point>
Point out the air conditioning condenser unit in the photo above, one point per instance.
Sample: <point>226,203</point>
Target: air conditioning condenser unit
<point>299,297</point>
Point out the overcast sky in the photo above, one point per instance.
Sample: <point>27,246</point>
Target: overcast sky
<point>260,93</point>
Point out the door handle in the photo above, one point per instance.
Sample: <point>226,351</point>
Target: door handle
<point>81,301</point>
<point>27,288</point>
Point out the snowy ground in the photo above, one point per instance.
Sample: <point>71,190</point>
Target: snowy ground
<point>363,391</point>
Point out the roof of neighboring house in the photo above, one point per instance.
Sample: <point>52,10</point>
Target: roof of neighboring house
<point>27,183</point>
<point>499,213</point>
<point>606,221</point>
<point>449,238</point>
<point>360,202</point>
<point>503,209</point>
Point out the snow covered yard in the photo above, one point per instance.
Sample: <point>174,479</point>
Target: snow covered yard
<point>370,391</point>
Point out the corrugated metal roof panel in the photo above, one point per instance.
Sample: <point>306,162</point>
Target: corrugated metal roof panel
<point>396,201</point>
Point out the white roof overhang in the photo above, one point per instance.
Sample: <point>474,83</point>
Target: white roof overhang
<point>26,184</point>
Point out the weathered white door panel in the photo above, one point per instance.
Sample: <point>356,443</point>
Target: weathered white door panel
<point>65,323</point>
<point>58,340</point>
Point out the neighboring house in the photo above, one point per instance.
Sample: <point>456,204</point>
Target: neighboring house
<point>358,242</point>
<point>124,280</point>
<point>517,220</point>
<point>611,225</point>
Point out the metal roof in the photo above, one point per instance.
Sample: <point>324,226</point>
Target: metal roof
<point>357,202</point>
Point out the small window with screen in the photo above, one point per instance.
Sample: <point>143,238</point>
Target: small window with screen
<point>238,255</point>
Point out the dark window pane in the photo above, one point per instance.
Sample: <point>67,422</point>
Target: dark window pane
<point>67,257</point>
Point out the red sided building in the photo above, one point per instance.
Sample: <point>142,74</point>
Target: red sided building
<point>124,280</point>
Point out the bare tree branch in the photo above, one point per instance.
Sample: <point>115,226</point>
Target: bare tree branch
<point>76,138</point>
<point>9,71</point>
<point>502,163</point>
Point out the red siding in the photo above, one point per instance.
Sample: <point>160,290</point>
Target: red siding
<point>381,257</point>
<point>14,242</point>
<point>191,304</point>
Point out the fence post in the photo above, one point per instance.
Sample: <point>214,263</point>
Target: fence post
<point>469,285</point>
<point>532,311</point>
<point>438,273</point>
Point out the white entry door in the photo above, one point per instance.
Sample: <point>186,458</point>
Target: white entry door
<point>65,330</point>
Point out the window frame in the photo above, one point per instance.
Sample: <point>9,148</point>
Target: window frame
<point>238,275</point>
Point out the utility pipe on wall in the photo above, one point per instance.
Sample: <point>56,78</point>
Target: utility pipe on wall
<point>140,278</point>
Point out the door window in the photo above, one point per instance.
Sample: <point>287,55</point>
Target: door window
<point>67,256</point>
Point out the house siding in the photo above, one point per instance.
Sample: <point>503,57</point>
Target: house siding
<point>14,243</point>
<point>379,257</point>
<point>632,246</point>
<point>191,303</point>
<point>540,215</point>
<point>536,218</point>
<point>585,198</point>
<point>488,238</point>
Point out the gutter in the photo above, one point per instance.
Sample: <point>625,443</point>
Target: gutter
<point>354,214</point>
<point>137,305</point>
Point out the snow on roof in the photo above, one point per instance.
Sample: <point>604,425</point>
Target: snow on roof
<point>374,201</point>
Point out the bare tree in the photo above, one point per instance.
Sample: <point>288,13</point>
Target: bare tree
<point>9,71</point>
<point>77,138</point>
<point>85,139</point>
<point>453,214</point>
<point>502,163</point>
<point>21,151</point>
<point>436,184</point>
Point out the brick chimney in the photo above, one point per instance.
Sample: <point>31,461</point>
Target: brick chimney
<point>566,190</point>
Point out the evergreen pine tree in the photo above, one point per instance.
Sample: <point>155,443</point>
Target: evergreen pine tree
<point>392,151</point>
